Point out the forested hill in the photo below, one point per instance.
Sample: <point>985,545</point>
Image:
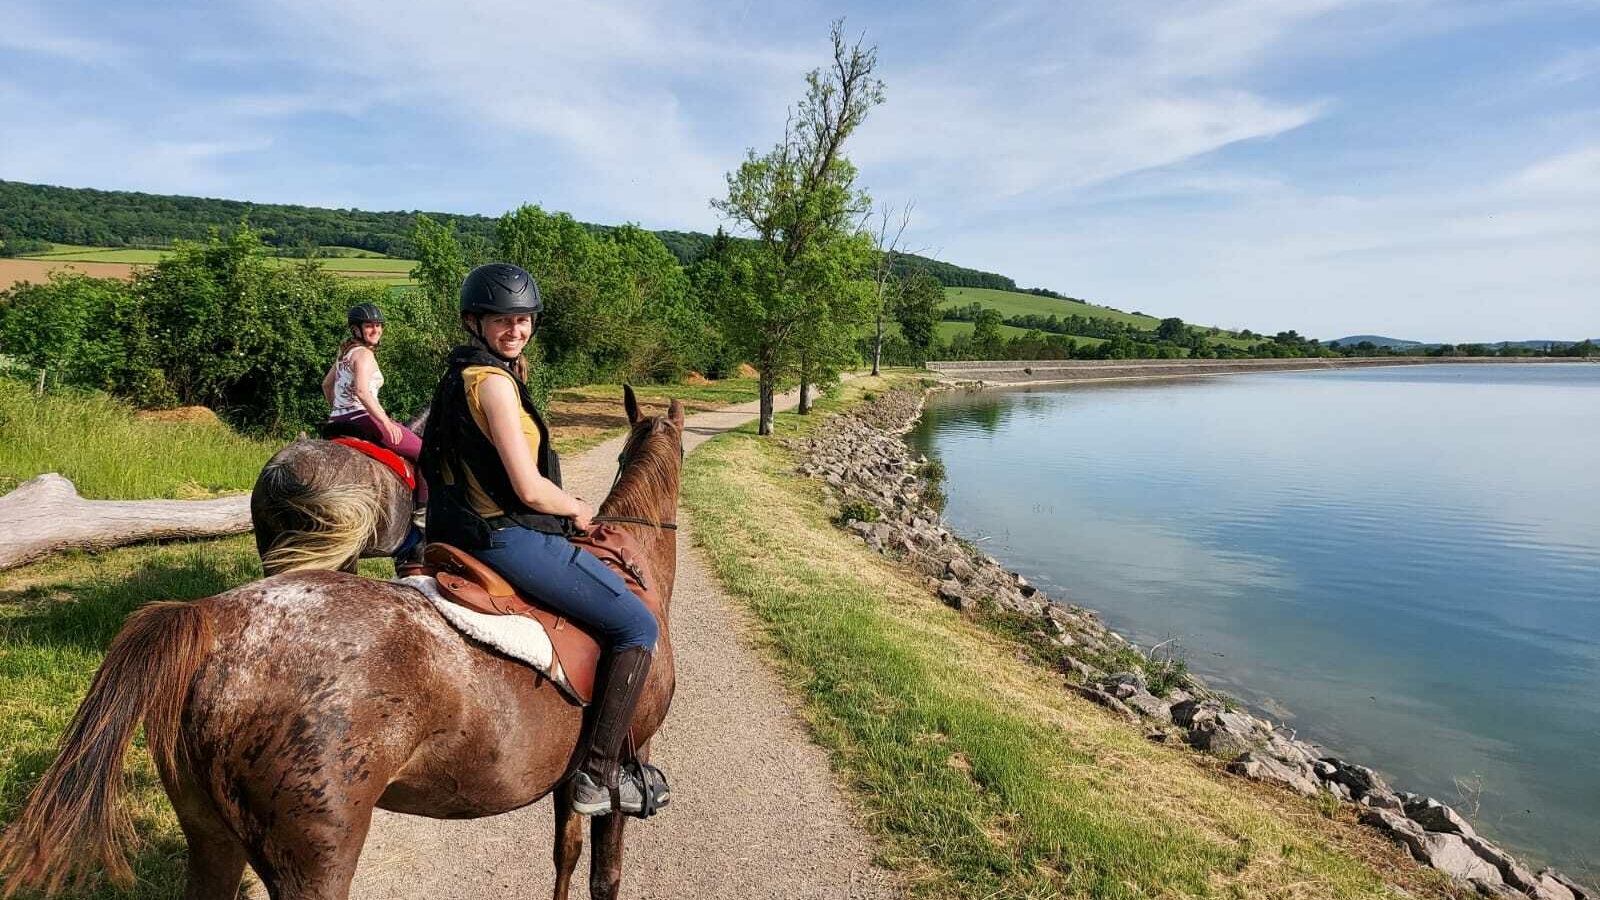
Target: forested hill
<point>31,214</point>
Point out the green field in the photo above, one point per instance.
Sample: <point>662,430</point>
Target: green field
<point>76,253</point>
<point>948,330</point>
<point>335,259</point>
<point>1012,303</point>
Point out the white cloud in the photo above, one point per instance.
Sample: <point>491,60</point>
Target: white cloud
<point>1229,161</point>
<point>25,30</point>
<point>1571,67</point>
<point>1569,176</point>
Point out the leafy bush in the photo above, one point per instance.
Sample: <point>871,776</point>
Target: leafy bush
<point>858,511</point>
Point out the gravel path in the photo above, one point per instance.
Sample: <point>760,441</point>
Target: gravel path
<point>755,810</point>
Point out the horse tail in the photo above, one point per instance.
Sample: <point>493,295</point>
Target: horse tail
<point>73,822</point>
<point>325,527</point>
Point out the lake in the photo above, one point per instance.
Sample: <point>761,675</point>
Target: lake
<point>1403,564</point>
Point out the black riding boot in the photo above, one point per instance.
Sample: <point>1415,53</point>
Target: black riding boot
<point>598,787</point>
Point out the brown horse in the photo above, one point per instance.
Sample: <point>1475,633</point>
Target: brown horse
<point>281,713</point>
<point>322,505</point>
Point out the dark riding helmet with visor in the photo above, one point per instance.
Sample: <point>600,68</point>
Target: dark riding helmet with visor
<point>498,289</point>
<point>362,314</point>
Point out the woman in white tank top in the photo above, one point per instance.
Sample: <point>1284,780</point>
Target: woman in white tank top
<point>351,389</point>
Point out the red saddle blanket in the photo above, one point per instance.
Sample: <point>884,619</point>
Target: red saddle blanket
<point>463,579</point>
<point>396,463</point>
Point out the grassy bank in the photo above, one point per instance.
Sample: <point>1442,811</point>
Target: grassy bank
<point>981,776</point>
<point>111,453</point>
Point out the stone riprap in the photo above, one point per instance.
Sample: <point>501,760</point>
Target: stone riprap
<point>881,492</point>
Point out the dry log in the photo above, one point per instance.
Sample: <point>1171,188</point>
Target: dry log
<point>45,514</point>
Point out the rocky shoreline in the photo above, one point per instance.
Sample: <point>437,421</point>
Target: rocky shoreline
<point>883,496</point>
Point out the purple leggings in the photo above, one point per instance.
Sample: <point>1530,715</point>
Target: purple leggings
<point>409,445</point>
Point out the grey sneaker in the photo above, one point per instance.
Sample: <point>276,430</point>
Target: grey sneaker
<point>591,799</point>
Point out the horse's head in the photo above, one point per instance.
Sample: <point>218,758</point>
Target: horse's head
<point>649,466</point>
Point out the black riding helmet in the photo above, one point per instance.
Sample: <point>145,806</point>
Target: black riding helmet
<point>362,313</point>
<point>359,315</point>
<point>497,289</point>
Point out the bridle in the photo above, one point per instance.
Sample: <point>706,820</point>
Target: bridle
<point>622,463</point>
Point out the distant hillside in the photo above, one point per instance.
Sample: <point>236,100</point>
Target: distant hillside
<point>1398,344</point>
<point>1377,340</point>
<point>34,215</point>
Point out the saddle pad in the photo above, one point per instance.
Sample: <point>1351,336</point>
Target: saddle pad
<point>396,463</point>
<point>518,637</point>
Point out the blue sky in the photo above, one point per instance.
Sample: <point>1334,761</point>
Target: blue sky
<point>1421,168</point>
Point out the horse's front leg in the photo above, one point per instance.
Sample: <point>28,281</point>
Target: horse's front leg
<point>569,839</point>
<point>605,856</point>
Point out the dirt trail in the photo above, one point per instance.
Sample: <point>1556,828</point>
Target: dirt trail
<point>755,810</point>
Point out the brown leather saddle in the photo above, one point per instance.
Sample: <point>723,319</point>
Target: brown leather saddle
<point>466,581</point>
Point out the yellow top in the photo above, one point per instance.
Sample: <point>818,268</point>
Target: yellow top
<point>472,378</point>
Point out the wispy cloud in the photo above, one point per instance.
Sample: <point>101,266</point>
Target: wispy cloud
<point>1328,165</point>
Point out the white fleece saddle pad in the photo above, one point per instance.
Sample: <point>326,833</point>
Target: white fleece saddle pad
<point>518,637</point>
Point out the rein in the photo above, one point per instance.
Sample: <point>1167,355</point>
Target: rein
<point>634,520</point>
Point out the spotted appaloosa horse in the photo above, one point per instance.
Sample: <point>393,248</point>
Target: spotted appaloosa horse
<point>281,713</point>
<point>321,505</point>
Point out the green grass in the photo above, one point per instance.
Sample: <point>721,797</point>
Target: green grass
<point>1012,303</point>
<point>363,264</point>
<point>56,617</point>
<point>337,259</point>
<point>948,329</point>
<point>78,253</point>
<point>111,454</point>
<point>979,774</point>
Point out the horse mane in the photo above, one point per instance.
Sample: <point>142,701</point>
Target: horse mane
<point>649,477</point>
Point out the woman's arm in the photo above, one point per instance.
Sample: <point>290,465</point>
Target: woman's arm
<point>363,365</point>
<point>503,410</point>
<point>328,381</point>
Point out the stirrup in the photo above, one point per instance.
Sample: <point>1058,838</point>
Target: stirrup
<point>653,782</point>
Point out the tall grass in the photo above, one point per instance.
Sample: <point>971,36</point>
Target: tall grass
<point>980,774</point>
<point>111,454</point>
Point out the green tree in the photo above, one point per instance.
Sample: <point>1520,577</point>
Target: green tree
<point>916,307</point>
<point>441,266</point>
<point>799,203</point>
<point>987,342</point>
<point>65,327</point>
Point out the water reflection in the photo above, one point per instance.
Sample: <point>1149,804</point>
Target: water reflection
<point>1407,561</point>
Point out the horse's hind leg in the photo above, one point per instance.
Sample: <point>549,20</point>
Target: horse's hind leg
<point>315,857</point>
<point>216,856</point>
<point>569,840</point>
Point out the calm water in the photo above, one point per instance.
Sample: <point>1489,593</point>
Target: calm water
<point>1404,564</point>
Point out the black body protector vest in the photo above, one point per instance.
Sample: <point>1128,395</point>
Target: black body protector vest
<point>454,441</point>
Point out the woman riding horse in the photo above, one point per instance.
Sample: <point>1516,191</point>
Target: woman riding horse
<point>498,495</point>
<point>351,389</point>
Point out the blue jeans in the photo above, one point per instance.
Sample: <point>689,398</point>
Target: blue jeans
<point>573,583</point>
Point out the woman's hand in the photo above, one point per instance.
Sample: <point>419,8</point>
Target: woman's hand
<point>583,515</point>
<point>393,430</point>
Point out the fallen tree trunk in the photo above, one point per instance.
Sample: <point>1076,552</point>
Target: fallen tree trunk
<point>45,514</point>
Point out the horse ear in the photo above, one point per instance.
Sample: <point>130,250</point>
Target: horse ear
<point>631,404</point>
<point>675,413</point>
